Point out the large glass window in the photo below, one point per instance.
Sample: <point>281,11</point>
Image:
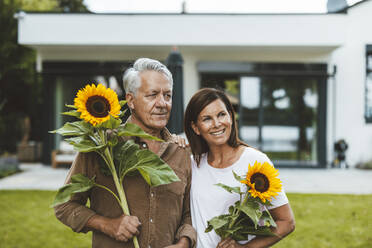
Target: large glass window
<point>279,116</point>
<point>280,108</point>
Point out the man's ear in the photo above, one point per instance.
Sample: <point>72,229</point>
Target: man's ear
<point>130,99</point>
<point>195,128</point>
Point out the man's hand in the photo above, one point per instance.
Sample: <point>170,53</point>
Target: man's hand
<point>122,228</point>
<point>229,243</point>
<point>182,243</point>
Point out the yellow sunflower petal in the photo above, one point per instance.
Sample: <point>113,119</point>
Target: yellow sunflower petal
<point>97,103</point>
<point>263,181</point>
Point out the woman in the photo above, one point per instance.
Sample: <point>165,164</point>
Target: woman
<point>211,129</point>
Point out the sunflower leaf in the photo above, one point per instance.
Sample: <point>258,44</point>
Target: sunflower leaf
<point>79,183</point>
<point>237,177</point>
<point>153,169</point>
<point>131,129</point>
<point>252,209</point>
<point>125,157</point>
<point>228,188</point>
<point>76,128</point>
<point>84,144</point>
<point>131,158</point>
<point>113,141</point>
<point>111,123</point>
<point>72,113</point>
<point>122,113</point>
<point>122,103</point>
<point>71,106</point>
<point>217,222</point>
<point>268,219</point>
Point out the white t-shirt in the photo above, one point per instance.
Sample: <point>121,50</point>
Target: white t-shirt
<point>208,200</point>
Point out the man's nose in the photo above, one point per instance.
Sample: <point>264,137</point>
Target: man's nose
<point>161,101</point>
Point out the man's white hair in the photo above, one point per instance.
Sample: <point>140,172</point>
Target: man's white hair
<point>132,79</point>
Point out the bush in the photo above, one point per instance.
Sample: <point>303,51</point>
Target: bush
<point>365,165</point>
<point>8,166</point>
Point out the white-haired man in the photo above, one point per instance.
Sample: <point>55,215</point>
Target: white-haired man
<point>160,215</point>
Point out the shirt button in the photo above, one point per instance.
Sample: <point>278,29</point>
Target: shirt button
<point>149,246</point>
<point>151,220</point>
<point>152,194</point>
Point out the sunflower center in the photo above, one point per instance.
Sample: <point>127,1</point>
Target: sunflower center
<point>261,182</point>
<point>98,106</point>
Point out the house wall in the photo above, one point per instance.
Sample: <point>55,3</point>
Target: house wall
<point>335,39</point>
<point>349,85</point>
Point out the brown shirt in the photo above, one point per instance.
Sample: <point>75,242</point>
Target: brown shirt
<point>164,211</point>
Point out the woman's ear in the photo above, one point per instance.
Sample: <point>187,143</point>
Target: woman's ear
<point>195,128</point>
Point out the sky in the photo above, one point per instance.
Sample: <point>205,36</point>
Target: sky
<point>210,6</point>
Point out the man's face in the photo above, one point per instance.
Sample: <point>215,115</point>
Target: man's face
<point>152,104</point>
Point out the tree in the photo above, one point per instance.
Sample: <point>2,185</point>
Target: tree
<point>21,86</point>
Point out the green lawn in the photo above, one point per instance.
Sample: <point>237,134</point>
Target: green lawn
<point>26,221</point>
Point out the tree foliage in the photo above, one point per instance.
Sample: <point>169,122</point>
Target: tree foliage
<point>21,86</point>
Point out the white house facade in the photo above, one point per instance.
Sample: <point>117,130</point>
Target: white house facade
<point>299,82</point>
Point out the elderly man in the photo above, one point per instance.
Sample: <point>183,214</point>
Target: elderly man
<point>160,215</point>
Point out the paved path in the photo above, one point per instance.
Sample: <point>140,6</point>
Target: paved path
<point>335,181</point>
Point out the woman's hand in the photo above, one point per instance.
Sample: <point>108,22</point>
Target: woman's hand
<point>179,140</point>
<point>229,243</point>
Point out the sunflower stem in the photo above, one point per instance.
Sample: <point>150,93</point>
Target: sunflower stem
<point>237,211</point>
<point>107,154</point>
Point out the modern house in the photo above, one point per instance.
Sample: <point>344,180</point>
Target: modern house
<point>299,82</point>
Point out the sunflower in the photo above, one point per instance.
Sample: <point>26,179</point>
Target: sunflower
<point>97,103</point>
<point>263,181</point>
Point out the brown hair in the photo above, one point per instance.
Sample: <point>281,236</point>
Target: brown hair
<point>198,102</point>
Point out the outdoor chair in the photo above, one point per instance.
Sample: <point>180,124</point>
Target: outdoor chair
<point>64,155</point>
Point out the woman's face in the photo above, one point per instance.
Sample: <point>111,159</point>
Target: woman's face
<point>214,123</point>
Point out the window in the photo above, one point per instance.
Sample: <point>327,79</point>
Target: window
<point>281,108</point>
<point>368,86</point>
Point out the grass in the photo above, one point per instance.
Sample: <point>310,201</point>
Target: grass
<point>322,221</point>
<point>27,221</point>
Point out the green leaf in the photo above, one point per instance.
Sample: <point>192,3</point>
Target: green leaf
<point>84,144</point>
<point>122,103</point>
<point>71,106</point>
<point>238,178</point>
<point>79,183</point>
<point>76,128</point>
<point>131,129</point>
<point>122,113</point>
<point>113,141</point>
<point>125,157</point>
<point>252,209</point>
<point>268,219</point>
<point>111,123</point>
<point>228,188</point>
<point>153,169</point>
<point>217,222</point>
<point>72,113</point>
